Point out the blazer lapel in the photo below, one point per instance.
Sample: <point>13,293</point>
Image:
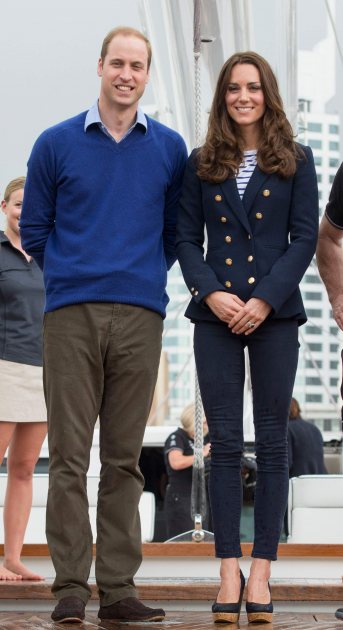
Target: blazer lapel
<point>230,190</point>
<point>255,183</point>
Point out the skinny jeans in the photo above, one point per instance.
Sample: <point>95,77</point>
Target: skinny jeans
<point>273,354</point>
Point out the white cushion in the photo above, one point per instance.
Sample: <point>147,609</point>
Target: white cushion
<point>317,525</point>
<point>315,509</point>
<point>317,491</point>
<point>35,532</point>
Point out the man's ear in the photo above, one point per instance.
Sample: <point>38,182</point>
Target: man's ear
<point>99,70</point>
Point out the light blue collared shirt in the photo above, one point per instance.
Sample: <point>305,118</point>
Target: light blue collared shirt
<point>93,117</point>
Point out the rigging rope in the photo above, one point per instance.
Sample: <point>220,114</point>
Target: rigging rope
<point>332,22</point>
<point>197,84</point>
<point>198,495</point>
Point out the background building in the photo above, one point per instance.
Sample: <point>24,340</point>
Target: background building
<point>49,52</point>
<point>319,371</point>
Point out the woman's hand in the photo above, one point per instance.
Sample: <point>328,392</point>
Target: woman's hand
<point>224,305</point>
<point>248,318</point>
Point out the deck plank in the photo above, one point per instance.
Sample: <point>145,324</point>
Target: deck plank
<point>187,589</point>
<point>206,549</point>
<point>173,621</point>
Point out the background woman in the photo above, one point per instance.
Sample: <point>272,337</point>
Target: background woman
<point>22,407</point>
<point>179,455</point>
<point>255,190</point>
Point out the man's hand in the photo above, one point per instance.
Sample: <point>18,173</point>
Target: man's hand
<point>248,318</point>
<point>224,305</point>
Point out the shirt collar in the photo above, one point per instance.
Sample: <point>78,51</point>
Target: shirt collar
<point>3,237</point>
<point>93,117</point>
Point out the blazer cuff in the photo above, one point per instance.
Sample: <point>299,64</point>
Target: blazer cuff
<point>199,293</point>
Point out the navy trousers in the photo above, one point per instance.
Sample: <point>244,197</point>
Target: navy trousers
<point>219,354</point>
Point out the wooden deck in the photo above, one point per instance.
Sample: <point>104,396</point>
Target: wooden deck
<point>207,549</point>
<point>174,621</point>
<point>185,589</point>
<point>309,595</point>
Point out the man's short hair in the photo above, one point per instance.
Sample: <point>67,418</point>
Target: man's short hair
<point>127,31</point>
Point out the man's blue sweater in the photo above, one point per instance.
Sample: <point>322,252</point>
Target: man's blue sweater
<point>99,217</point>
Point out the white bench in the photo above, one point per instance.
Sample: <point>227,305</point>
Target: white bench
<point>315,509</point>
<point>35,532</point>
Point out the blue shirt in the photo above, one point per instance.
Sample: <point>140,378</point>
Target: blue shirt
<point>93,118</point>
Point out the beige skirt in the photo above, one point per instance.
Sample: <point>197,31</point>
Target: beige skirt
<point>21,393</point>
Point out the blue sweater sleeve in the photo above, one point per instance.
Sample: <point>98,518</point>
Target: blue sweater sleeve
<point>38,212</point>
<point>172,202</point>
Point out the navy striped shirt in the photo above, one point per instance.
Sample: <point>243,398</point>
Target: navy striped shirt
<point>245,170</point>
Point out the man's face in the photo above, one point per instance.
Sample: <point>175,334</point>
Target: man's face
<point>124,72</point>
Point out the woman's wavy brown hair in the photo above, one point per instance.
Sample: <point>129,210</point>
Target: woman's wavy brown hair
<point>222,153</point>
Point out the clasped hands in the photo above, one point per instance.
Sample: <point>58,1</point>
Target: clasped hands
<point>241,317</point>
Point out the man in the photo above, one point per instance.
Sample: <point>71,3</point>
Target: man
<point>99,218</point>
<point>329,249</point>
<point>330,259</point>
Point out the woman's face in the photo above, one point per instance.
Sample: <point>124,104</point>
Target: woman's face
<point>12,210</point>
<point>244,96</point>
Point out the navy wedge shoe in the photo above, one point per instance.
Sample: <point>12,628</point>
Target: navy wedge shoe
<point>229,613</point>
<point>260,613</point>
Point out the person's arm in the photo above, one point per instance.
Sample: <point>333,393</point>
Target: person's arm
<point>37,217</point>
<point>179,461</point>
<point>199,277</point>
<point>330,265</point>
<point>285,275</point>
<point>273,290</point>
<point>172,202</point>
<point>329,249</point>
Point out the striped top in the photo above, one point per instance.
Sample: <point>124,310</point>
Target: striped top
<point>246,170</point>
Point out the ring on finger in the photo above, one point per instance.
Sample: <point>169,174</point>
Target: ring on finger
<point>250,324</point>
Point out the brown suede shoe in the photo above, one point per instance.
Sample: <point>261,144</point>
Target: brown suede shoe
<point>69,610</point>
<point>130,609</point>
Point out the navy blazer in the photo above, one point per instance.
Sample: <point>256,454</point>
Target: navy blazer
<point>259,246</point>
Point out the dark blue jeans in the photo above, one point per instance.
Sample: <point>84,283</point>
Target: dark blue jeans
<point>219,355</point>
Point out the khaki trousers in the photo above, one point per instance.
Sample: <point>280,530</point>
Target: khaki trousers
<point>100,359</point>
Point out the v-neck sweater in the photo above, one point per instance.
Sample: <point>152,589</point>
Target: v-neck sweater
<point>99,216</point>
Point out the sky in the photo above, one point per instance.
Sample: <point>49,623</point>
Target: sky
<point>49,51</point>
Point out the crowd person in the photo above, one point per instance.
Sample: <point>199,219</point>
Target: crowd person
<point>305,445</point>
<point>255,190</point>
<point>330,259</point>
<point>179,458</point>
<point>22,405</point>
<point>99,216</point>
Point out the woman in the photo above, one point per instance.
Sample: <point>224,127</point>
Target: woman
<point>22,408</point>
<point>179,455</point>
<point>255,191</point>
